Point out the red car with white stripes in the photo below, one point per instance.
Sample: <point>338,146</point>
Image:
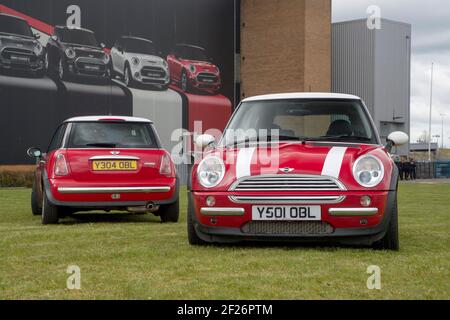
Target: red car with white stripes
<point>104,163</point>
<point>297,167</point>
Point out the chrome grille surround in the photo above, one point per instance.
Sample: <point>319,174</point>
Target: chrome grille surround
<point>287,182</point>
<point>294,228</point>
<point>287,199</point>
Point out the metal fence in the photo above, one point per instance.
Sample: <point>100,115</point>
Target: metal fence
<point>425,170</point>
<point>442,169</point>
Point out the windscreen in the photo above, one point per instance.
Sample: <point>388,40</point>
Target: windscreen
<point>326,120</point>
<point>139,46</point>
<point>80,37</point>
<point>15,26</point>
<point>112,135</point>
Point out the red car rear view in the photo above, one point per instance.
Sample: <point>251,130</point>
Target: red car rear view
<point>105,163</point>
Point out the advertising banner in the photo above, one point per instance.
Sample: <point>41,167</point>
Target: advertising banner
<point>171,61</point>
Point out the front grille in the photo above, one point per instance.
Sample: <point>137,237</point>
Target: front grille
<point>90,66</point>
<point>153,72</point>
<point>207,78</point>
<point>297,228</point>
<point>287,182</point>
<point>89,54</point>
<point>19,56</point>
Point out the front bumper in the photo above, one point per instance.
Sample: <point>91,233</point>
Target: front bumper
<point>150,74</point>
<point>89,68</point>
<point>34,64</point>
<point>349,223</point>
<point>202,84</point>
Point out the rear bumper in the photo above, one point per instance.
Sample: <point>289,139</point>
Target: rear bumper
<point>111,196</point>
<point>362,235</point>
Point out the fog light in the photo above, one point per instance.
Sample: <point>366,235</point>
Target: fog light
<point>211,201</point>
<point>366,201</point>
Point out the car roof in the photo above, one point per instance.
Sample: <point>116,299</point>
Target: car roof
<point>136,38</point>
<point>189,45</point>
<point>302,95</point>
<point>74,28</point>
<point>108,118</point>
<point>12,17</point>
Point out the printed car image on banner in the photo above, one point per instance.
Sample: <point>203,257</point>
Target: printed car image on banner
<point>171,61</point>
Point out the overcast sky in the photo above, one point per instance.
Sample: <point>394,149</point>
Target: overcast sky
<point>430,22</point>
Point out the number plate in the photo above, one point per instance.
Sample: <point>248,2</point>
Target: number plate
<point>114,165</point>
<point>19,59</point>
<point>286,213</point>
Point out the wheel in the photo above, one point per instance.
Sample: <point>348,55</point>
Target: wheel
<point>170,212</point>
<point>36,205</point>
<point>47,62</point>
<point>49,211</point>
<point>193,238</point>
<point>127,77</point>
<point>61,70</point>
<point>390,241</point>
<point>184,81</point>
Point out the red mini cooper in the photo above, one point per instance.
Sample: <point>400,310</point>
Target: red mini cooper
<point>297,167</point>
<point>191,68</point>
<point>104,163</point>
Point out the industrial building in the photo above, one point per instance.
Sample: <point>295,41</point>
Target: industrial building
<point>375,64</point>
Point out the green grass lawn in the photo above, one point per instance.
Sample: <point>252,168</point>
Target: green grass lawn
<point>137,257</point>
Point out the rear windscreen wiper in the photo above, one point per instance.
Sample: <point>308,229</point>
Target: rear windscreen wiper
<point>102,145</point>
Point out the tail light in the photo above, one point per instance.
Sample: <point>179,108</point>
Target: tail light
<point>166,166</point>
<point>61,168</point>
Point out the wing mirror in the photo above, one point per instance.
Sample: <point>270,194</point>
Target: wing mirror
<point>37,36</point>
<point>34,152</point>
<point>396,139</point>
<point>54,37</point>
<point>102,45</point>
<point>204,141</point>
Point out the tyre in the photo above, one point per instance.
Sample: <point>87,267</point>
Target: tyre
<point>170,212</point>
<point>36,205</point>
<point>184,81</point>
<point>61,70</point>
<point>49,211</point>
<point>193,238</point>
<point>391,240</point>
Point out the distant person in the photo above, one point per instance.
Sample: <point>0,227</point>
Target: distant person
<point>413,169</point>
<point>398,163</point>
<point>406,170</point>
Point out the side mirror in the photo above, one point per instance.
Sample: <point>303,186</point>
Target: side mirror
<point>34,152</point>
<point>37,36</point>
<point>102,45</point>
<point>396,139</point>
<point>204,141</point>
<point>54,37</point>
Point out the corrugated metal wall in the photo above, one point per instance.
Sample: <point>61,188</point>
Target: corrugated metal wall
<point>375,65</point>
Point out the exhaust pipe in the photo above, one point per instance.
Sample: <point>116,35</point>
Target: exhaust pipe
<point>148,208</point>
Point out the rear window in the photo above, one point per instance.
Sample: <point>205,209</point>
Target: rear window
<point>112,135</point>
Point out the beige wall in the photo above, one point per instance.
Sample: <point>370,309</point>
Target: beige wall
<point>285,46</point>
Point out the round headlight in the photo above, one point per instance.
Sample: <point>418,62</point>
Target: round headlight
<point>368,171</point>
<point>192,68</point>
<point>210,172</point>
<point>135,61</point>
<point>38,49</point>
<point>70,53</point>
